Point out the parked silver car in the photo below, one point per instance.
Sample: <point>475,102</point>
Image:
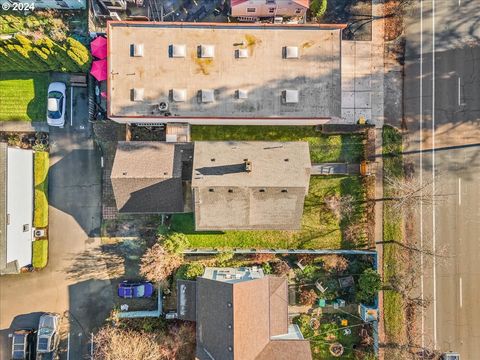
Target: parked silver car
<point>56,104</point>
<point>47,336</point>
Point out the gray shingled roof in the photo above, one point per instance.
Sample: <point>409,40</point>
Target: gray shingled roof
<point>147,176</point>
<point>270,196</point>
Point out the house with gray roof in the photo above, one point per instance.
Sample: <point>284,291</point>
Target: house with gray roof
<point>241,314</point>
<point>151,177</point>
<point>227,184</point>
<point>16,208</point>
<point>250,185</point>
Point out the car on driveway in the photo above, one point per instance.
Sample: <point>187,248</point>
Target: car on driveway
<point>23,344</point>
<point>135,289</point>
<point>47,336</point>
<point>56,104</point>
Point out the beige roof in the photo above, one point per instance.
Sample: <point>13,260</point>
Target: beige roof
<point>265,74</point>
<point>274,164</point>
<point>147,177</point>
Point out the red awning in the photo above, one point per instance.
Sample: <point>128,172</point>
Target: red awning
<point>99,70</point>
<point>98,47</point>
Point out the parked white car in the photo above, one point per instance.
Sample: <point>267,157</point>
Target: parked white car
<point>56,104</point>
<point>47,336</point>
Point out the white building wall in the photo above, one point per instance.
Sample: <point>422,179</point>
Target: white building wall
<point>19,206</point>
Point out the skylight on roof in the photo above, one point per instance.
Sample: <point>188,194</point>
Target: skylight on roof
<point>291,96</point>
<point>208,95</point>
<point>138,94</point>
<point>137,50</point>
<point>207,51</point>
<point>241,53</point>
<point>178,50</point>
<point>291,52</point>
<point>179,95</point>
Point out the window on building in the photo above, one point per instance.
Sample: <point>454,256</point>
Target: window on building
<point>251,10</point>
<point>298,11</point>
<point>271,10</point>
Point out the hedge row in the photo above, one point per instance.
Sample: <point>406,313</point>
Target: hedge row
<point>22,54</point>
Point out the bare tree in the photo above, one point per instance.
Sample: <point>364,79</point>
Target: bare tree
<point>158,264</point>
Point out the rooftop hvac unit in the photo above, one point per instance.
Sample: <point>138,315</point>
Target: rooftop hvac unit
<point>208,96</point>
<point>163,106</point>
<point>38,233</point>
<point>178,51</point>
<point>138,94</point>
<point>241,53</point>
<point>207,51</point>
<point>291,52</point>
<point>137,50</point>
<point>114,15</point>
<point>291,96</point>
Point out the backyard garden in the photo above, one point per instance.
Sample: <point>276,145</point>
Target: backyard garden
<point>335,208</point>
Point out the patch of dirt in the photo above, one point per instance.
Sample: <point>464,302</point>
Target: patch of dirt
<point>393,11</point>
<point>147,133</point>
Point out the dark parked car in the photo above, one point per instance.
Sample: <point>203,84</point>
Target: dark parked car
<point>23,344</point>
<point>135,289</point>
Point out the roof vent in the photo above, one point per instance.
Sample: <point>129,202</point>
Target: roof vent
<point>207,51</point>
<point>290,52</point>
<point>248,166</point>
<point>241,53</point>
<point>137,50</point>
<point>242,94</point>
<point>178,51</point>
<point>137,94</point>
<point>179,95</point>
<point>291,96</point>
<point>208,95</point>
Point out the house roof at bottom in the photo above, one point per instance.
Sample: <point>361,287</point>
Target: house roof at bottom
<point>237,320</point>
<point>286,350</point>
<point>147,176</point>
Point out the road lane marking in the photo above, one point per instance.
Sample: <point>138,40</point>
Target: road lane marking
<point>68,346</point>
<point>459,91</point>
<point>459,191</point>
<point>422,295</point>
<point>71,105</point>
<point>461,295</point>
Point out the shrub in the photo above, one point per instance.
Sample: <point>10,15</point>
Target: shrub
<point>267,268</point>
<point>40,253</point>
<point>280,268</point>
<point>334,263</point>
<point>176,243</point>
<point>190,271</point>
<point>318,8</point>
<point>157,264</point>
<point>223,259</point>
<point>369,284</point>
<point>261,258</point>
<point>308,297</point>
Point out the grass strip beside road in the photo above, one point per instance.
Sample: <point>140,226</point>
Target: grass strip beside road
<point>40,253</point>
<point>23,96</point>
<point>41,166</point>
<point>323,148</point>
<point>394,316</point>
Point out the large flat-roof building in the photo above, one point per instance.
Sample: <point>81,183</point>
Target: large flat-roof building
<point>250,185</point>
<point>16,208</point>
<point>223,73</point>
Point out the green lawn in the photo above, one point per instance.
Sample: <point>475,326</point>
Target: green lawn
<point>323,148</point>
<point>320,228</point>
<point>23,96</point>
<point>40,253</point>
<point>392,230</point>
<point>41,165</point>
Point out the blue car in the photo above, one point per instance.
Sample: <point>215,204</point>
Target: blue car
<point>135,289</point>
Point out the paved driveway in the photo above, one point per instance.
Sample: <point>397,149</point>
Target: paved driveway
<point>65,286</point>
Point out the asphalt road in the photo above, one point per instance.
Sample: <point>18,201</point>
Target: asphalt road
<point>65,286</point>
<point>442,109</point>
